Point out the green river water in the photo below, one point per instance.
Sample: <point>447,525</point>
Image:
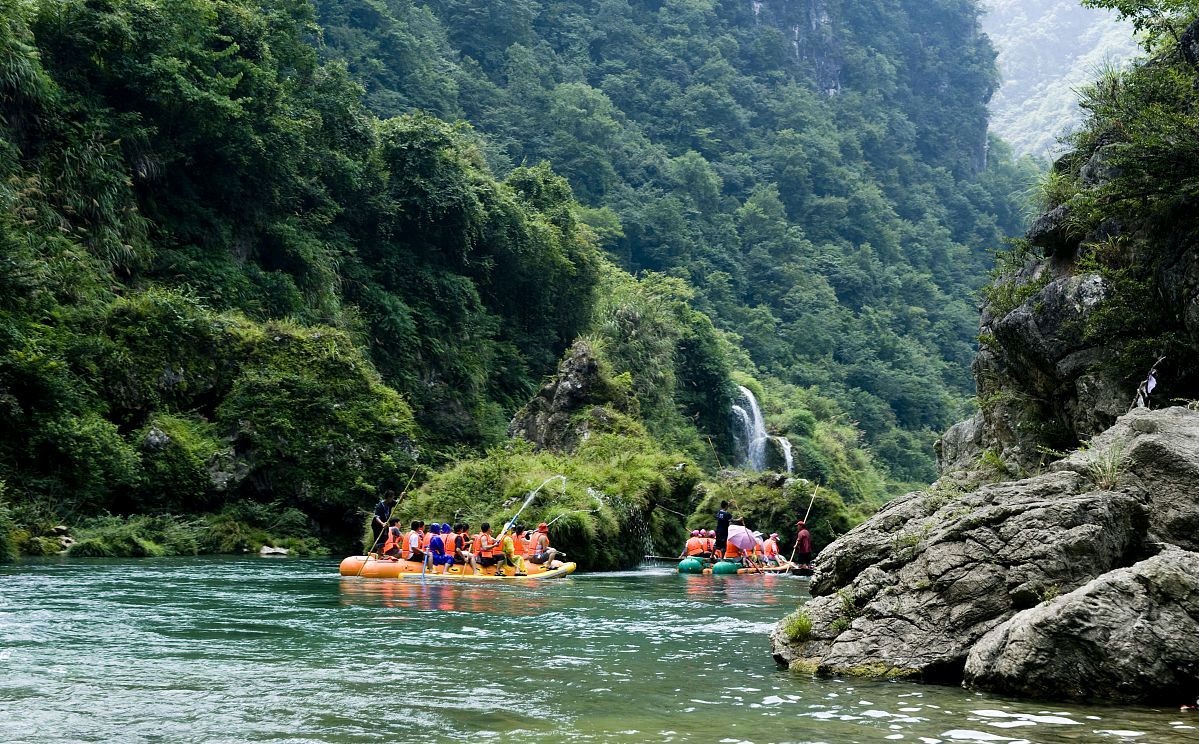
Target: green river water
<point>237,650</point>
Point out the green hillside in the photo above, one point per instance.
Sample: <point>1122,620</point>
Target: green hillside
<point>264,259</point>
<point>820,173</point>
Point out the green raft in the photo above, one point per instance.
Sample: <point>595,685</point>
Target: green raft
<point>701,566</point>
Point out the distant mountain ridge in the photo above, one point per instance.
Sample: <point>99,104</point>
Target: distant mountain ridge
<point>1047,50</point>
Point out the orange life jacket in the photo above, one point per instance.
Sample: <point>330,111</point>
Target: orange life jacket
<point>518,544</point>
<point>406,546</point>
<point>697,545</point>
<point>535,544</point>
<point>477,546</point>
<point>732,551</point>
<point>394,536</point>
<point>451,544</point>
<point>770,548</point>
<point>424,541</point>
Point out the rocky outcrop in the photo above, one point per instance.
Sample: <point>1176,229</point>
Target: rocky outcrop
<point>1051,231</point>
<point>1156,454</point>
<point>917,588</point>
<point>1040,377</point>
<point>1130,634</point>
<point>579,399</point>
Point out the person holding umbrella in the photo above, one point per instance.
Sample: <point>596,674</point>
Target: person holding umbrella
<point>803,544</point>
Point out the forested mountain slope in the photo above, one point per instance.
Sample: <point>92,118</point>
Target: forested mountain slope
<point>819,171</point>
<point>235,304</point>
<point>1048,51</point>
<point>239,287</point>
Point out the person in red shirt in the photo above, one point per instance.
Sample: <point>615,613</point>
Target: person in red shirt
<point>803,544</point>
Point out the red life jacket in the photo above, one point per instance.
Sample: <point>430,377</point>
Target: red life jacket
<point>732,551</point>
<point>518,544</point>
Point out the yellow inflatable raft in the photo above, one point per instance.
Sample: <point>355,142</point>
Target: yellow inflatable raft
<point>381,568</point>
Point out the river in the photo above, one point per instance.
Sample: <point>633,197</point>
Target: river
<point>234,650</point>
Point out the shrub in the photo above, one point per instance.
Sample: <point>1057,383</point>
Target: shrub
<point>797,626</point>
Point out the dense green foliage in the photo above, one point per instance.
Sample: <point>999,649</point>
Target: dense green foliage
<point>1137,222</point>
<point>634,476</point>
<point>225,279</point>
<point>237,288</point>
<point>815,170</point>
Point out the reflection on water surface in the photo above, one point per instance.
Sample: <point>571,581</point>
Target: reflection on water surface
<point>209,650</point>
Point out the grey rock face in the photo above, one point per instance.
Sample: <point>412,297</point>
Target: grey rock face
<point>1156,453</point>
<point>1190,44</point>
<point>1051,232</point>
<point>1131,634</point>
<point>1043,374</point>
<point>570,405</point>
<point>962,445</point>
<point>914,590</point>
<point>155,440</point>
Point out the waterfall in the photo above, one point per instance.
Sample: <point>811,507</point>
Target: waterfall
<point>787,459</point>
<point>752,436</point>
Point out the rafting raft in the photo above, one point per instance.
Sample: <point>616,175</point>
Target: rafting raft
<point>382,568</point>
<point>727,568</point>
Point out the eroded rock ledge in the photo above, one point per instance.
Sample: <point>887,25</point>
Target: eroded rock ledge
<point>1055,586</point>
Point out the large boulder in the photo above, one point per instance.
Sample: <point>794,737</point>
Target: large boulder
<point>915,589</point>
<point>580,398</point>
<point>1157,454</point>
<point>1129,635</point>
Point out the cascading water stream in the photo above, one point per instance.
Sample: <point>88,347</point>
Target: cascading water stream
<point>788,460</point>
<point>753,436</point>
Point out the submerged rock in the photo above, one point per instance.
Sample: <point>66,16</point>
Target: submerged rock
<point>916,589</point>
<point>1129,635</point>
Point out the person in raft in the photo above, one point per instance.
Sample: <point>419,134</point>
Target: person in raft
<point>485,547</point>
<point>459,548</point>
<point>710,542</point>
<point>696,547</point>
<point>394,539</point>
<point>770,550</point>
<point>509,558</point>
<point>723,520</point>
<point>379,522</point>
<point>412,550</point>
<point>439,559</point>
<point>803,544</point>
<point>539,551</point>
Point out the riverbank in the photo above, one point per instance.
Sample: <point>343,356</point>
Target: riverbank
<point>244,649</point>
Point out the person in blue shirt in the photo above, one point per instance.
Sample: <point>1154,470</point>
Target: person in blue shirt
<point>438,556</point>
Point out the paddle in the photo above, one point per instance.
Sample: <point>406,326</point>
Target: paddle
<point>387,526</point>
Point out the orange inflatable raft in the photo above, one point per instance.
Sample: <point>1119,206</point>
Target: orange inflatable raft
<point>381,568</point>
